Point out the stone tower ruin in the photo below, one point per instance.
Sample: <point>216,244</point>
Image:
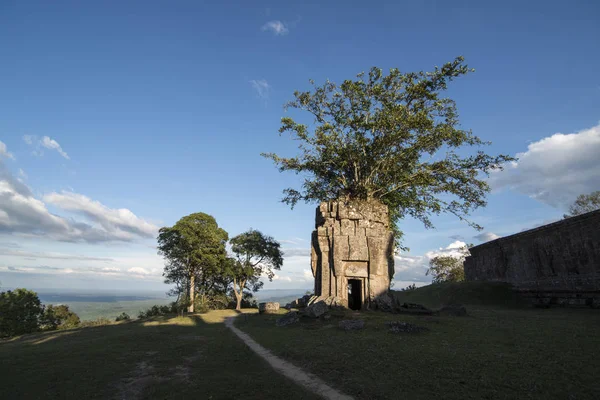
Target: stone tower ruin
<point>352,255</point>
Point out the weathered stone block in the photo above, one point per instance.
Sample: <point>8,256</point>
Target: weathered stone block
<point>561,257</point>
<point>359,250</point>
<point>268,308</point>
<point>324,242</point>
<point>377,255</point>
<point>344,256</point>
<point>347,227</point>
<point>351,324</point>
<point>341,248</point>
<point>288,319</point>
<point>356,269</point>
<point>315,310</point>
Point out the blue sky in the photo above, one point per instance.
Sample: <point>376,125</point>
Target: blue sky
<point>120,117</point>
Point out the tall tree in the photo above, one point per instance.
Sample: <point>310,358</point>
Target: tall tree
<point>392,138</point>
<point>449,268</point>
<point>20,312</point>
<point>584,203</point>
<point>194,253</point>
<point>255,255</point>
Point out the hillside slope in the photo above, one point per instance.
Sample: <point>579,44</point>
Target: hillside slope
<point>165,358</point>
<point>491,294</point>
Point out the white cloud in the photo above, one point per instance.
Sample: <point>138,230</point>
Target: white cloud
<point>111,220</point>
<point>111,272</point>
<point>23,214</point>
<point>50,255</point>
<point>486,236</point>
<point>262,88</point>
<point>4,151</point>
<point>139,271</point>
<point>53,145</point>
<point>412,268</point>
<point>277,27</point>
<point>307,275</point>
<point>22,174</point>
<point>556,169</point>
<point>282,278</point>
<point>296,252</point>
<point>45,142</point>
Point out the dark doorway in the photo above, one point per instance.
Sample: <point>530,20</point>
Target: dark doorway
<point>354,294</point>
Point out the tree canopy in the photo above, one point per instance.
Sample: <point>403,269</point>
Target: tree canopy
<point>256,254</point>
<point>20,312</point>
<point>194,252</point>
<point>584,203</point>
<point>448,268</point>
<point>388,137</point>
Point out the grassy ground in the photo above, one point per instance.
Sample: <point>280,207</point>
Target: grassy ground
<point>163,358</point>
<point>499,351</point>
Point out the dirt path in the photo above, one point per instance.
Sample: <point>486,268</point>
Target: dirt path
<point>308,381</point>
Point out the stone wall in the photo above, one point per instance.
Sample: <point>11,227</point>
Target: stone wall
<point>352,240</point>
<point>559,260</point>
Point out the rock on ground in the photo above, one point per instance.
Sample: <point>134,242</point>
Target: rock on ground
<point>315,310</point>
<point>414,308</point>
<point>288,319</point>
<point>384,303</point>
<point>405,327</point>
<point>351,324</point>
<point>268,308</point>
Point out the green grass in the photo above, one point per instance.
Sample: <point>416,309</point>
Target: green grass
<point>162,358</point>
<point>473,293</point>
<point>498,352</point>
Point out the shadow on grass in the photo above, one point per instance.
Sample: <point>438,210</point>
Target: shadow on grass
<point>165,357</point>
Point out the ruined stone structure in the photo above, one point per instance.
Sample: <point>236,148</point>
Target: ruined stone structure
<point>352,252</point>
<point>555,263</point>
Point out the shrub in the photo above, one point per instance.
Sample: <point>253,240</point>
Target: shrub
<point>165,309</point>
<point>123,317</point>
<point>59,317</point>
<point>155,311</point>
<point>95,322</point>
<point>218,301</point>
<point>20,312</point>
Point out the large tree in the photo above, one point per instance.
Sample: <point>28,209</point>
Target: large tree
<point>256,254</point>
<point>20,312</point>
<point>194,253</point>
<point>584,203</point>
<point>392,138</point>
<point>449,268</point>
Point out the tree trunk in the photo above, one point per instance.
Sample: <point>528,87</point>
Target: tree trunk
<point>192,293</point>
<point>238,295</point>
<point>238,298</point>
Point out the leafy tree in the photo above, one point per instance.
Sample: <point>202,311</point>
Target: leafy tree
<point>410,287</point>
<point>20,312</point>
<point>59,317</point>
<point>194,253</point>
<point>123,317</point>
<point>392,138</point>
<point>585,203</point>
<point>255,254</point>
<point>448,268</point>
